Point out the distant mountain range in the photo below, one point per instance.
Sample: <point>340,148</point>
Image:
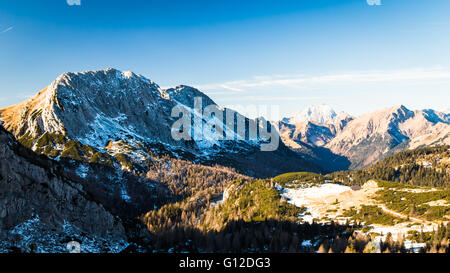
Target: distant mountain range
<point>334,138</point>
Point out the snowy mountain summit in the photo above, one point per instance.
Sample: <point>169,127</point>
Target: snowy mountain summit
<point>322,114</point>
<point>99,108</point>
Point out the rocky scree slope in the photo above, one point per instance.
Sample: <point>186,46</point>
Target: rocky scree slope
<point>358,142</point>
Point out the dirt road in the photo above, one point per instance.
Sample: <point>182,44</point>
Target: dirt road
<point>399,215</point>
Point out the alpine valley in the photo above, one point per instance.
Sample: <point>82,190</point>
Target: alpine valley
<point>91,158</point>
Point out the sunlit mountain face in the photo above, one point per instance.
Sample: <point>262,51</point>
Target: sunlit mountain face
<point>366,139</point>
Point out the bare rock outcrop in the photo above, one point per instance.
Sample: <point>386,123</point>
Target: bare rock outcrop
<point>32,186</point>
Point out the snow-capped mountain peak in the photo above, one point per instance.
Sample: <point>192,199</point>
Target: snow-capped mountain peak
<point>369,137</point>
<point>322,114</point>
<point>82,114</point>
<point>96,107</point>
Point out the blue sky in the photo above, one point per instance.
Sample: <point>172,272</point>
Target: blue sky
<point>348,54</point>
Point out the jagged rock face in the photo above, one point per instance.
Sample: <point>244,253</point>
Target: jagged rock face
<point>316,125</point>
<point>435,116</point>
<point>184,95</point>
<point>366,139</point>
<point>32,187</point>
<point>309,132</point>
<point>341,120</point>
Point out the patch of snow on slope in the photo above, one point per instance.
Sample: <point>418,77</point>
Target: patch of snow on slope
<point>416,247</point>
<point>82,171</point>
<point>124,194</point>
<point>206,140</point>
<point>35,236</point>
<point>307,243</point>
<point>302,197</point>
<point>105,128</point>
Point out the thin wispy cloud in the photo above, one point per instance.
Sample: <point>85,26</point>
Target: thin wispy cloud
<point>6,30</point>
<point>346,78</point>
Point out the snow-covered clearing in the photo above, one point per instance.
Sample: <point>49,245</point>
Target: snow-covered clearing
<point>399,233</point>
<point>330,200</point>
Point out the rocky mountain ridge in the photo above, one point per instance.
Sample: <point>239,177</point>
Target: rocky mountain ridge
<point>321,114</point>
<point>120,118</point>
<point>366,139</point>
